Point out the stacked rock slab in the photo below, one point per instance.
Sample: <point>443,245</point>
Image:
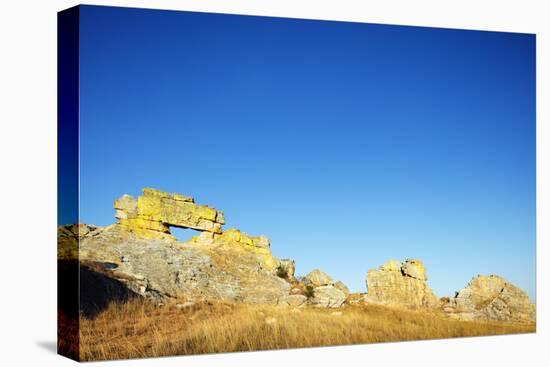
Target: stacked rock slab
<point>491,298</point>
<point>152,214</point>
<point>326,292</point>
<point>400,284</point>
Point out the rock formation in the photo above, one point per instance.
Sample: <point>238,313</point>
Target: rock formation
<point>155,211</point>
<point>317,278</point>
<point>414,269</point>
<point>491,298</point>
<point>138,256</point>
<point>326,292</point>
<point>327,296</point>
<point>401,284</point>
<point>235,240</point>
<point>165,268</point>
<point>139,253</point>
<point>342,287</point>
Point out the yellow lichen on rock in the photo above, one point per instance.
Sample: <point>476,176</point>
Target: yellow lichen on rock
<point>246,240</point>
<point>391,265</point>
<point>400,284</point>
<point>258,245</point>
<point>491,297</point>
<point>152,214</point>
<point>143,223</point>
<point>149,206</point>
<point>157,210</point>
<point>150,234</point>
<point>414,268</point>
<point>231,234</point>
<point>181,197</point>
<point>269,262</point>
<point>148,191</point>
<point>206,213</point>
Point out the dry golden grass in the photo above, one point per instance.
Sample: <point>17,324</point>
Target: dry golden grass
<point>138,329</point>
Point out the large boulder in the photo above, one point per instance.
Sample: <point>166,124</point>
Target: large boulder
<point>400,284</point>
<point>414,269</point>
<point>317,278</point>
<point>491,298</point>
<point>342,287</point>
<point>328,296</point>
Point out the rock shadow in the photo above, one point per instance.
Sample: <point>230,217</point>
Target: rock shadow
<point>86,288</point>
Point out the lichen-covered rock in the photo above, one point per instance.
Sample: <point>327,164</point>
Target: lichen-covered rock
<point>287,267</point>
<point>328,296</point>
<point>152,214</point>
<point>491,298</point>
<point>414,269</point>
<point>400,284</point>
<point>317,278</point>
<point>259,246</point>
<point>125,207</point>
<point>139,253</point>
<point>234,235</point>
<point>391,265</point>
<point>341,286</point>
<point>166,268</point>
<point>204,238</point>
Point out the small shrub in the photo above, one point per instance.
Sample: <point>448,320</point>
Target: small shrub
<point>282,272</point>
<point>309,292</point>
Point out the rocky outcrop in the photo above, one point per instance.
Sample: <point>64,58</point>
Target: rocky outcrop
<point>326,292</point>
<point>400,284</point>
<point>139,253</point>
<point>138,256</point>
<point>235,240</point>
<point>152,214</point>
<point>491,298</point>
<point>342,287</point>
<point>164,268</point>
<point>414,269</point>
<point>317,278</point>
<point>328,296</point>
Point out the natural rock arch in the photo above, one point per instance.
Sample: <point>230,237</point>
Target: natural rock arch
<point>154,212</point>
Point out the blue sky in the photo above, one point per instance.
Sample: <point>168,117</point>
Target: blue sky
<point>346,144</point>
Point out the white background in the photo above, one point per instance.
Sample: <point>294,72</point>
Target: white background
<point>28,181</point>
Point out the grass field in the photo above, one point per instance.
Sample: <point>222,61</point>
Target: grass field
<point>139,328</point>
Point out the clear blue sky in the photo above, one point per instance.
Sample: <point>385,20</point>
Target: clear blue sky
<point>346,144</point>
